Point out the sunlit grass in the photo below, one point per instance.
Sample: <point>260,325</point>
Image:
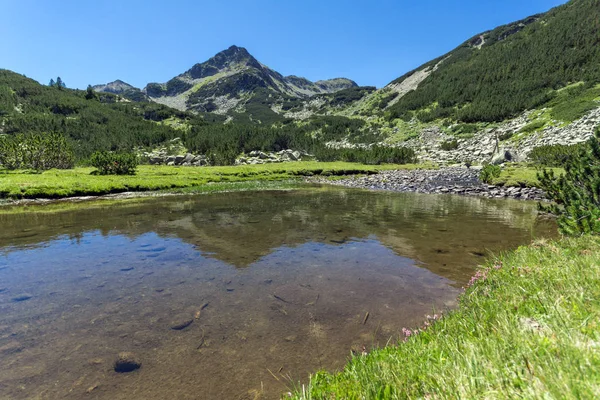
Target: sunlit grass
<point>80,181</point>
<point>520,175</point>
<point>529,327</point>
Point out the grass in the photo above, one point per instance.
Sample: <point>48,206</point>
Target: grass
<point>521,176</point>
<point>528,327</point>
<point>80,182</point>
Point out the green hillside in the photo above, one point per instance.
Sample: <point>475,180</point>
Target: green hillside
<point>515,67</point>
<point>104,121</point>
<point>101,122</point>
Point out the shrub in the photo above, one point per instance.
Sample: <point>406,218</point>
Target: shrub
<point>576,194</point>
<point>40,151</point>
<point>109,163</point>
<point>489,172</point>
<point>373,155</point>
<point>506,136</point>
<point>555,155</point>
<point>532,126</point>
<point>449,145</point>
<point>465,129</point>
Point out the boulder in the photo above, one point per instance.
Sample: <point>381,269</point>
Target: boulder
<point>501,157</point>
<point>156,160</point>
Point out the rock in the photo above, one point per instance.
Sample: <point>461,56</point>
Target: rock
<point>181,322</point>
<point>22,297</point>
<point>179,159</point>
<point>92,388</point>
<point>501,157</point>
<point>460,181</point>
<point>11,347</point>
<point>127,362</point>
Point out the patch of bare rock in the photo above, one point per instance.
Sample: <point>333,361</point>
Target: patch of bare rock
<point>451,180</point>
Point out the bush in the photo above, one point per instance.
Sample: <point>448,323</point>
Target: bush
<point>576,194</point>
<point>506,136</point>
<point>489,172</point>
<point>465,129</point>
<point>555,155</point>
<point>109,163</point>
<point>374,155</point>
<point>532,126</point>
<point>36,151</point>
<point>449,145</point>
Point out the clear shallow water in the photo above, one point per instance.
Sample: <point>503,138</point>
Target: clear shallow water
<point>288,278</point>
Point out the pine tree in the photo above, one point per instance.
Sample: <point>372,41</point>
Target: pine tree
<point>60,84</point>
<point>52,83</point>
<point>90,94</point>
<point>576,193</point>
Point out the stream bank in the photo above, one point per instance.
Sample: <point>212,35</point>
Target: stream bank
<point>452,180</point>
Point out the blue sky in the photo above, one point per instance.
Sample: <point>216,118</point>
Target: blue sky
<point>372,42</point>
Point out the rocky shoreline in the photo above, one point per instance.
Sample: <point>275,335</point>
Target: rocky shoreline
<point>451,180</point>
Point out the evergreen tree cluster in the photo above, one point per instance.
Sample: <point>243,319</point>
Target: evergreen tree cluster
<point>90,123</point>
<point>555,155</point>
<point>518,67</point>
<point>36,151</point>
<point>59,84</point>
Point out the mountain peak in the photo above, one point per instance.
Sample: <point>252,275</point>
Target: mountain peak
<point>116,87</point>
<point>233,57</point>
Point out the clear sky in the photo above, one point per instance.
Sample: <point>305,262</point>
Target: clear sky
<point>372,42</point>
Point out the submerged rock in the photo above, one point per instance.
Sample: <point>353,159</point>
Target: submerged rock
<point>181,322</point>
<point>11,347</point>
<point>22,297</point>
<point>127,362</point>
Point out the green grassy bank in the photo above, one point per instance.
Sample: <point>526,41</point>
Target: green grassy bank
<point>521,175</point>
<point>80,181</point>
<point>527,327</point>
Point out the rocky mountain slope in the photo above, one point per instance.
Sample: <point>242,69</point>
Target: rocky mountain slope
<point>227,83</point>
<point>230,80</point>
<point>123,89</point>
<point>502,92</point>
<point>496,96</point>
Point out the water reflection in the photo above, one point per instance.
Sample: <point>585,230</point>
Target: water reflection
<point>276,284</point>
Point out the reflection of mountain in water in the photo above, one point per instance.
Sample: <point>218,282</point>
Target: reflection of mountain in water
<point>443,232</point>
